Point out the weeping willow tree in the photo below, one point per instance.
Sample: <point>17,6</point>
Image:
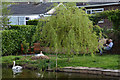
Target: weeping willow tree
<point>0,18</point>
<point>5,13</point>
<point>70,30</point>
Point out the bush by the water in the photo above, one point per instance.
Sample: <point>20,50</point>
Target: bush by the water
<point>107,61</point>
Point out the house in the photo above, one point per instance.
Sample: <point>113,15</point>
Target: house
<point>22,12</point>
<point>96,7</point>
<point>104,0</point>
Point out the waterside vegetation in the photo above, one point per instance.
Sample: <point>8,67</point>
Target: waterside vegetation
<point>107,61</point>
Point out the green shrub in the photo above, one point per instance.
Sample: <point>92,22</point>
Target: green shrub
<point>26,31</point>
<point>32,22</point>
<point>14,36</point>
<point>10,41</point>
<point>35,22</point>
<point>25,46</point>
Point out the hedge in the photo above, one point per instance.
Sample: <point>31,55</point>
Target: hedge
<point>12,38</point>
<point>35,22</point>
<point>10,41</point>
<point>32,22</point>
<point>26,31</point>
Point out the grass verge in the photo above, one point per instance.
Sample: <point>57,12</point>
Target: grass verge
<point>105,61</point>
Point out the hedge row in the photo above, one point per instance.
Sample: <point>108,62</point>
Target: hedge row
<point>26,31</point>
<point>32,22</point>
<point>35,22</point>
<point>12,38</point>
<point>10,41</point>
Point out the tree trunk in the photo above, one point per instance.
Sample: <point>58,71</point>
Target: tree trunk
<point>68,60</point>
<point>56,60</point>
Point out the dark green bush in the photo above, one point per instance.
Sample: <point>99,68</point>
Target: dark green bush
<point>10,41</point>
<point>25,46</point>
<point>12,38</point>
<point>32,22</point>
<point>35,22</point>
<point>25,31</point>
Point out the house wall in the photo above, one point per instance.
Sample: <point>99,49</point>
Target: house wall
<point>17,20</point>
<point>108,24</point>
<point>22,19</point>
<point>112,7</point>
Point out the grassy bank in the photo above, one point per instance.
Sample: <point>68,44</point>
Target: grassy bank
<point>105,61</point>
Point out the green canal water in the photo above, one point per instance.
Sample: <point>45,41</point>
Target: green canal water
<point>8,73</point>
<point>25,73</point>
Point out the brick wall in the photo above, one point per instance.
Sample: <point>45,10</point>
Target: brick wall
<point>108,24</point>
<point>111,7</point>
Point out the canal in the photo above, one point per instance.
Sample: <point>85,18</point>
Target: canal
<point>26,73</point>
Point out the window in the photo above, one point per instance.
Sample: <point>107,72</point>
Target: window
<point>21,20</point>
<point>93,11</point>
<point>14,20</point>
<point>17,20</point>
<point>27,19</point>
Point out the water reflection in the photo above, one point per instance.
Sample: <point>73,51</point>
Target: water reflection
<point>8,73</point>
<point>16,72</point>
<point>39,75</point>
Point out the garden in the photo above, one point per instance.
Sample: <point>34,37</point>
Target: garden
<point>72,38</point>
<point>106,62</point>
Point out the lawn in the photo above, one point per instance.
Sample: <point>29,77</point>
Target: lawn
<point>106,61</point>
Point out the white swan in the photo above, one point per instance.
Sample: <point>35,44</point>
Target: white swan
<point>41,54</point>
<point>16,67</point>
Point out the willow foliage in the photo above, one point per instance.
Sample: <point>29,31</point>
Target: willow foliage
<point>5,12</point>
<point>70,30</point>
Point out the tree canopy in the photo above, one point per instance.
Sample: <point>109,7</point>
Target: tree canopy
<point>71,29</point>
<point>5,12</point>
